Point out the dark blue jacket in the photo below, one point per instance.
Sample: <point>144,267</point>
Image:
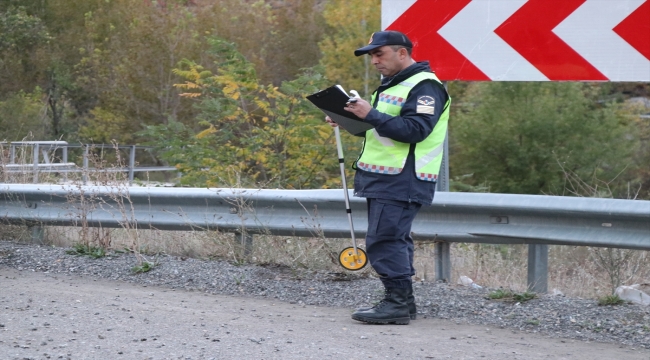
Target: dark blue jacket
<point>409,127</point>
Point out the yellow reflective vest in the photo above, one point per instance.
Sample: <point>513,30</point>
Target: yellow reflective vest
<point>387,156</point>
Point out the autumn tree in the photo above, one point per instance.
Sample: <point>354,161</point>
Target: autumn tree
<point>41,56</point>
<point>252,134</point>
<point>351,24</point>
<point>131,47</point>
<point>128,53</point>
<point>21,35</point>
<point>22,116</point>
<point>298,28</point>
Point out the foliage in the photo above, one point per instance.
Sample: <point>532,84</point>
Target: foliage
<point>351,24</point>
<point>128,54</point>
<point>525,296</point>
<point>87,250</point>
<point>637,110</point>
<point>22,35</point>
<point>112,60</point>
<point>42,58</point>
<point>132,47</point>
<point>20,31</point>
<point>105,127</point>
<point>610,300</point>
<point>501,294</point>
<point>22,114</point>
<point>461,184</point>
<point>248,133</point>
<point>513,136</point>
<point>143,268</point>
<point>298,27</point>
<point>57,97</point>
<point>267,36</point>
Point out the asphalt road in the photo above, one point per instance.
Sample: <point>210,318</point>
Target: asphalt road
<point>46,316</point>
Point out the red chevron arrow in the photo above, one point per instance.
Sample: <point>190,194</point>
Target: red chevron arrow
<point>529,32</point>
<point>421,23</point>
<point>635,29</point>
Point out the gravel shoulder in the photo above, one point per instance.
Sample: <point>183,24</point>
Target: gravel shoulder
<point>56,305</point>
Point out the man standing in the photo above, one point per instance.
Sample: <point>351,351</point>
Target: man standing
<point>398,166</point>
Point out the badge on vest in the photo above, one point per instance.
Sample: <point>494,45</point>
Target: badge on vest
<point>426,105</point>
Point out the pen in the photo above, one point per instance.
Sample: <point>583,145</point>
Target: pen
<point>355,98</point>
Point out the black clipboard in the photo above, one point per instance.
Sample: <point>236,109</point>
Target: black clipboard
<point>331,101</point>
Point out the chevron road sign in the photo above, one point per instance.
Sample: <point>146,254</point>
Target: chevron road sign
<point>527,40</point>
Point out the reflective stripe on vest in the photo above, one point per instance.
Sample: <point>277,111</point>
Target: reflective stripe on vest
<point>386,156</point>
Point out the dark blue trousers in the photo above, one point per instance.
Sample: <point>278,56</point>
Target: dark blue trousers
<point>389,244</point>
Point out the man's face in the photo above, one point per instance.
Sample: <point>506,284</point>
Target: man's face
<point>387,61</point>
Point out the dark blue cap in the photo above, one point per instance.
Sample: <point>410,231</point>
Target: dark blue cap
<point>382,38</point>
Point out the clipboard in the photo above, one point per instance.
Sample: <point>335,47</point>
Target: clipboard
<point>331,101</point>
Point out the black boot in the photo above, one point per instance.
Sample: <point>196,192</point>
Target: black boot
<point>391,310</point>
<point>410,301</point>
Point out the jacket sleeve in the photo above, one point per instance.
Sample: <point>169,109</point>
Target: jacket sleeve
<point>411,126</point>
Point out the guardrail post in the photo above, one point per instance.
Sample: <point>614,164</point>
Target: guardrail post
<point>442,261</point>
<point>35,149</point>
<point>443,178</point>
<point>131,163</point>
<point>64,154</point>
<point>46,157</point>
<point>538,268</point>
<point>85,165</point>
<point>37,234</point>
<point>246,242</point>
<point>12,154</point>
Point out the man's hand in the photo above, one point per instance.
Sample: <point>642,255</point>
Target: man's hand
<point>331,122</point>
<point>360,108</point>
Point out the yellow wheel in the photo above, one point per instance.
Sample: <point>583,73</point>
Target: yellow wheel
<point>351,261</point>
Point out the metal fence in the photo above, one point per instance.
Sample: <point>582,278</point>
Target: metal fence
<point>52,157</point>
<point>453,217</point>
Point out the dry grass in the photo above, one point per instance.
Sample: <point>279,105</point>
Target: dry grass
<point>490,265</point>
<point>572,270</point>
<point>308,253</point>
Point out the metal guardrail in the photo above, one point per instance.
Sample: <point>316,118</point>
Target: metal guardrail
<point>453,217</point>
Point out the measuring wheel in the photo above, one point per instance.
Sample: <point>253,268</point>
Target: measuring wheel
<point>351,261</point>
<point>351,258</point>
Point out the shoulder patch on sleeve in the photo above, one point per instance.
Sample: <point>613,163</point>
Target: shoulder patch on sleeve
<point>426,105</point>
